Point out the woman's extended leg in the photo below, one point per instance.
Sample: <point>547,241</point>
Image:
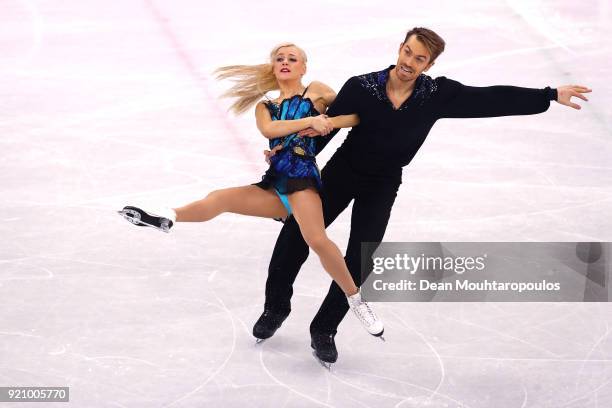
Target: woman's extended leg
<point>308,213</point>
<point>246,200</point>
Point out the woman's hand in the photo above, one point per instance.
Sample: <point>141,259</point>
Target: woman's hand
<point>321,124</point>
<point>270,153</point>
<point>565,93</point>
<point>337,122</point>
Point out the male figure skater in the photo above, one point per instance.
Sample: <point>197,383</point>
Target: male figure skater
<point>397,108</point>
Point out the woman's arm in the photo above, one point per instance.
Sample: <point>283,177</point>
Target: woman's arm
<point>323,95</point>
<point>273,129</point>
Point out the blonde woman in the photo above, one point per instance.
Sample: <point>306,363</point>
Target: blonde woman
<point>292,183</point>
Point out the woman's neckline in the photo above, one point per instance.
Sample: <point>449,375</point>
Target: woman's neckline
<point>289,98</point>
<point>312,106</point>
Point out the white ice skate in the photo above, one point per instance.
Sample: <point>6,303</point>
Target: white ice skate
<point>366,316</point>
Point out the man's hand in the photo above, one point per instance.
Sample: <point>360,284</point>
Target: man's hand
<point>270,153</point>
<point>310,132</point>
<point>565,93</point>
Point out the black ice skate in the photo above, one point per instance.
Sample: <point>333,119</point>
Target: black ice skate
<point>324,349</point>
<point>267,324</point>
<point>142,218</point>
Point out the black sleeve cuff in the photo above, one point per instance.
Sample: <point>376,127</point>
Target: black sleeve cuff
<point>552,93</point>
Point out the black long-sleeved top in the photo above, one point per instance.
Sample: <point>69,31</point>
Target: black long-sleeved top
<point>387,139</point>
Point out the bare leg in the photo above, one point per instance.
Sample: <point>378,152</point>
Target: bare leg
<point>308,213</point>
<point>246,200</point>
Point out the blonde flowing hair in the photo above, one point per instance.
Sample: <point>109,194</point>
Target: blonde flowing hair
<point>252,82</point>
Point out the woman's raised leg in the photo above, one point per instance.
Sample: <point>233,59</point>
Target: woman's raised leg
<point>247,200</point>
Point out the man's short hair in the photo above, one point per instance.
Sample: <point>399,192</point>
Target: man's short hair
<point>432,41</point>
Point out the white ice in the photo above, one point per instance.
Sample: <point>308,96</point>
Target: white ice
<point>108,103</point>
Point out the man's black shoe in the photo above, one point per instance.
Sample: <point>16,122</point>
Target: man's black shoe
<point>268,323</point>
<point>324,348</point>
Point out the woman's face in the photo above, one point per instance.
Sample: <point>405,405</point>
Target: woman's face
<point>288,64</point>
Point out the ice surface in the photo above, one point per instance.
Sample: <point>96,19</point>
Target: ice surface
<point>108,103</point>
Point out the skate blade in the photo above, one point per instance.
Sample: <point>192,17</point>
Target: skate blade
<point>323,363</point>
<point>134,218</point>
<point>379,335</point>
<point>259,341</point>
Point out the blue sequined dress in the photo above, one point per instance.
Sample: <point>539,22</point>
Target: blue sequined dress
<point>293,168</point>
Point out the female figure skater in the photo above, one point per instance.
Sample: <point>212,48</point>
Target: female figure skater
<point>292,183</point>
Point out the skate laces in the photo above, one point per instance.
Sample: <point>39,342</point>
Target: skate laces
<point>363,311</point>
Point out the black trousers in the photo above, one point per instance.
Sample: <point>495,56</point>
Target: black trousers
<point>374,197</point>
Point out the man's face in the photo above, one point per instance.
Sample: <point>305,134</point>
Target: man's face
<point>412,60</point>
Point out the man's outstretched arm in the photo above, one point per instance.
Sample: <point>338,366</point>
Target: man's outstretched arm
<point>456,100</point>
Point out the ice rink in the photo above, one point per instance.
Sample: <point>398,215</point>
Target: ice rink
<point>109,103</point>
